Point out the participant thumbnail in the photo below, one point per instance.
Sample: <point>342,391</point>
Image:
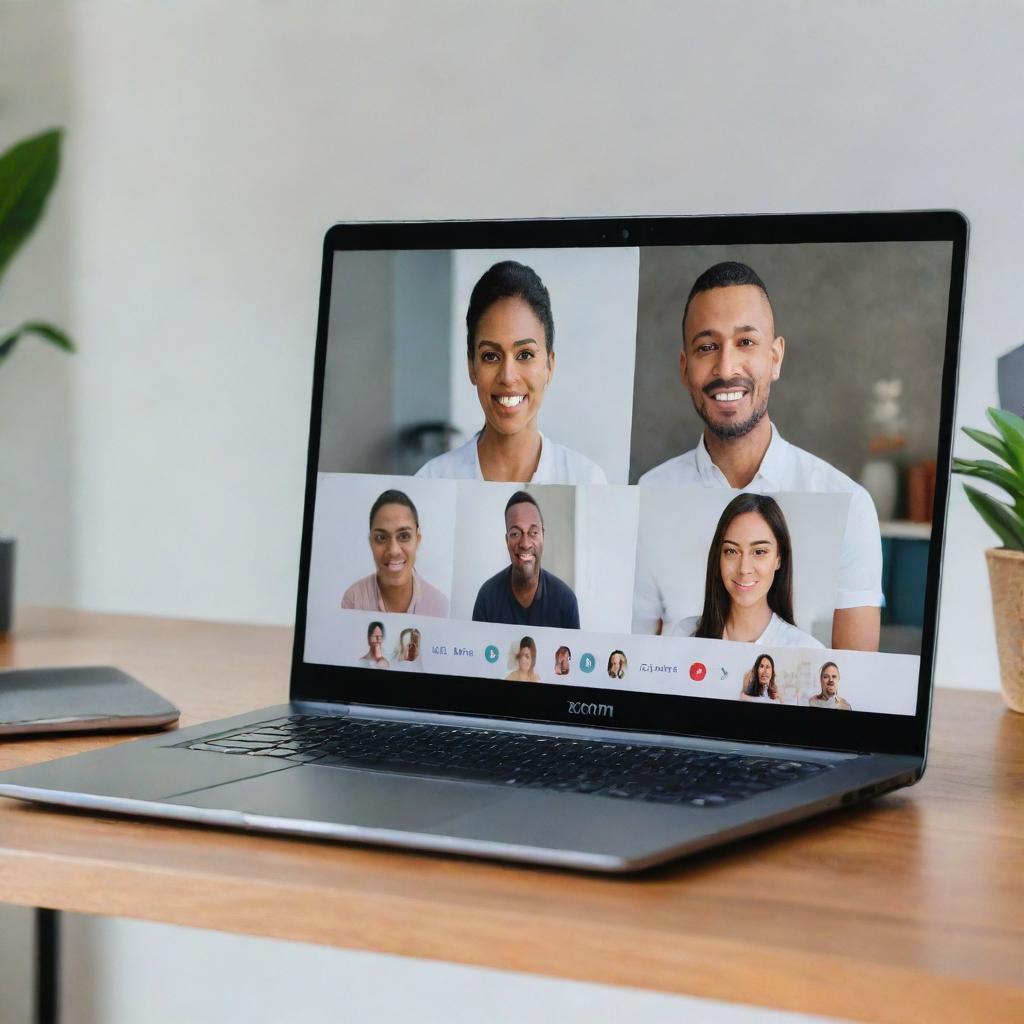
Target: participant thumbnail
<point>828,697</point>
<point>563,661</point>
<point>759,682</point>
<point>618,665</point>
<point>552,555</point>
<point>748,567</point>
<point>374,656</point>
<point>394,585</point>
<point>524,656</point>
<point>481,364</point>
<point>408,655</point>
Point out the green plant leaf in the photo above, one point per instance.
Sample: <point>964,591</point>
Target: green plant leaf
<point>996,445</point>
<point>1007,525</point>
<point>1012,429</point>
<point>986,469</point>
<point>41,330</point>
<point>28,171</point>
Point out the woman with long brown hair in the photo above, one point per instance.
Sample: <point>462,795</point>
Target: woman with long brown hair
<point>748,587</point>
<point>759,683</point>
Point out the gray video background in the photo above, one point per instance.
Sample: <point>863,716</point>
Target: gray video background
<point>851,314</point>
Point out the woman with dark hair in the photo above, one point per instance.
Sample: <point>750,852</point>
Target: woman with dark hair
<point>759,683</point>
<point>748,588</point>
<point>395,586</point>
<point>617,665</point>
<point>510,347</point>
<point>526,659</point>
<point>374,657</point>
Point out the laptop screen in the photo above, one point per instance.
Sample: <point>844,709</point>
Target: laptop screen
<point>702,470</point>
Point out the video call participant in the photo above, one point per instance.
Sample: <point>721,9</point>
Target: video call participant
<point>408,654</point>
<point>524,593</point>
<point>829,696</point>
<point>563,661</point>
<point>729,360</point>
<point>510,343</point>
<point>748,587</point>
<point>526,659</point>
<point>759,682</point>
<point>394,542</point>
<point>617,665</point>
<point>374,657</point>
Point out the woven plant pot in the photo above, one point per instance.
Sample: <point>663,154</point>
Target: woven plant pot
<point>1006,578</point>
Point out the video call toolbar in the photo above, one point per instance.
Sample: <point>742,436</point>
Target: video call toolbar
<point>674,666</point>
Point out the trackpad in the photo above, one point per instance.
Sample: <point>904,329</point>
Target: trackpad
<point>345,797</point>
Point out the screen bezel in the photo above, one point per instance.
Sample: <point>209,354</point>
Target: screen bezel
<point>644,712</point>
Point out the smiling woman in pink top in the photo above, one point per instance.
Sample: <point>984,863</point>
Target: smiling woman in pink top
<point>395,586</point>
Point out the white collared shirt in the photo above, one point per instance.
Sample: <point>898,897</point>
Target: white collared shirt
<point>787,468</point>
<point>557,465</point>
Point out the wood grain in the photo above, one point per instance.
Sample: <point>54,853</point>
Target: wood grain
<point>910,908</point>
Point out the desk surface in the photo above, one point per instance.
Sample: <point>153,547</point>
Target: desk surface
<point>908,908</point>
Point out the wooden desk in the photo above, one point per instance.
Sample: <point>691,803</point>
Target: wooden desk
<point>909,908</point>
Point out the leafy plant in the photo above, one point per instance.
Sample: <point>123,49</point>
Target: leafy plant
<point>28,171</point>
<point>1007,520</point>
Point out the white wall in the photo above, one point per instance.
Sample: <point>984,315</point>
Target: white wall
<point>160,470</point>
<point>607,520</point>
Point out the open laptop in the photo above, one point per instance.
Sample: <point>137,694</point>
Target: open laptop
<point>597,513</point>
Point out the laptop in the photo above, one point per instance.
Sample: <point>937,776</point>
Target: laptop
<point>601,515</point>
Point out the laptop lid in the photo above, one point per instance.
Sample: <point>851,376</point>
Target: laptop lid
<point>660,474</point>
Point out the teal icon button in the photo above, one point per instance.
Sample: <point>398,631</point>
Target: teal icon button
<point>491,653</point>
<point>587,662</point>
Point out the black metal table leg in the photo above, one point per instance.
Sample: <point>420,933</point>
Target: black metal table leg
<point>47,966</point>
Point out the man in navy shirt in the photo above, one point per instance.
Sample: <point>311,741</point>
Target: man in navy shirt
<point>524,594</point>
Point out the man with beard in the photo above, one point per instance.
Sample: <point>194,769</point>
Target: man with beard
<point>829,696</point>
<point>731,356</point>
<point>524,594</point>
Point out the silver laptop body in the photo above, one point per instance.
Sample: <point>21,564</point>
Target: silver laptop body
<point>597,618</point>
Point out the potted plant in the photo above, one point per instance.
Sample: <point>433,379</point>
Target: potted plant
<point>1005,564</point>
<point>28,171</point>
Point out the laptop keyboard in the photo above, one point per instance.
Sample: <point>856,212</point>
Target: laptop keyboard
<point>614,768</point>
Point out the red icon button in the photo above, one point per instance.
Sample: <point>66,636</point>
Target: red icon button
<point>698,671</point>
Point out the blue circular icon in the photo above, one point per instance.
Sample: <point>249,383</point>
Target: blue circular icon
<point>587,662</point>
<point>491,653</point>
